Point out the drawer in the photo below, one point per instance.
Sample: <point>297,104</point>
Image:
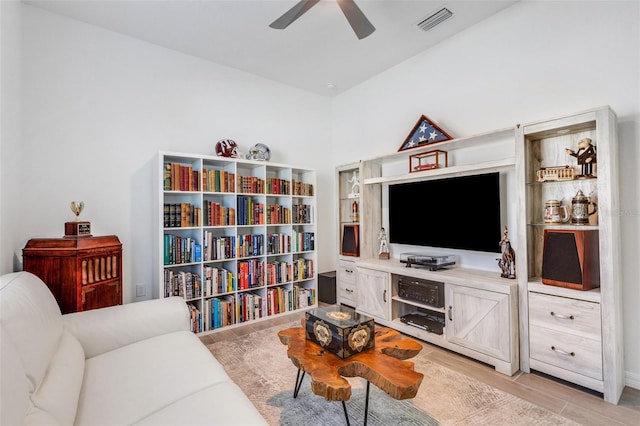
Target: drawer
<point>567,351</point>
<point>565,315</point>
<point>347,272</point>
<point>348,292</point>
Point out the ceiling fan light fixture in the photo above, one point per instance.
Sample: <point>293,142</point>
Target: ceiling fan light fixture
<point>435,19</point>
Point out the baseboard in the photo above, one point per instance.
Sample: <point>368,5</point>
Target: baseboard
<point>632,380</point>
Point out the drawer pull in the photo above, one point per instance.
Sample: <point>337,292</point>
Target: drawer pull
<point>350,271</point>
<point>561,316</point>
<point>348,290</point>
<point>561,352</point>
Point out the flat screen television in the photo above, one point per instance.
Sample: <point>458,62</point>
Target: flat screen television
<point>457,213</point>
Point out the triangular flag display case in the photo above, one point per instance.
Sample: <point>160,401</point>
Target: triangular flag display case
<point>425,132</point>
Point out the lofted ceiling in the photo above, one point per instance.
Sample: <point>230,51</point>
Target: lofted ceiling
<point>319,52</point>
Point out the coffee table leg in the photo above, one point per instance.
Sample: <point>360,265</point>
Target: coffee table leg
<point>366,405</point>
<point>346,416</point>
<point>298,383</point>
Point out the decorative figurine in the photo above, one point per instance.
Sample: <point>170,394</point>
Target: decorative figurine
<point>383,253</point>
<point>586,156</point>
<point>355,184</point>
<point>508,261</point>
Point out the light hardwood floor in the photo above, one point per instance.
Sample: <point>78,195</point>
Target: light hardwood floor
<point>575,403</point>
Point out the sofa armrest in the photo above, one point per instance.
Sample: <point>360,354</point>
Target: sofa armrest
<point>103,330</point>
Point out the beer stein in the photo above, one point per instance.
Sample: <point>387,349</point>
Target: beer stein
<point>580,209</point>
<point>555,212</point>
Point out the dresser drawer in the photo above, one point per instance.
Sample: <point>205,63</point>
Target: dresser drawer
<point>565,315</point>
<point>567,351</point>
<point>347,289</point>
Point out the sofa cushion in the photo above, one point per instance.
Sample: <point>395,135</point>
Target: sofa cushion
<point>31,319</point>
<point>220,404</point>
<point>131,383</point>
<point>57,396</point>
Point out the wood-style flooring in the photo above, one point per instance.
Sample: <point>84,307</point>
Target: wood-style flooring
<point>575,403</point>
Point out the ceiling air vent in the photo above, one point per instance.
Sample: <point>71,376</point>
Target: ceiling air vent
<point>435,19</point>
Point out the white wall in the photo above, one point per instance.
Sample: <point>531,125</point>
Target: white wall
<point>98,106</point>
<point>10,126</point>
<point>535,60</point>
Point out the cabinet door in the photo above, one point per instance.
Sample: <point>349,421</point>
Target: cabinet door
<point>101,295</point>
<point>374,293</point>
<point>478,320</point>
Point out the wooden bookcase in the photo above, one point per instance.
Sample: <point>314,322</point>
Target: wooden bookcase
<point>83,273</point>
<point>236,238</point>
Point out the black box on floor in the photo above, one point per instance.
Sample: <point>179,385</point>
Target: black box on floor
<point>327,287</point>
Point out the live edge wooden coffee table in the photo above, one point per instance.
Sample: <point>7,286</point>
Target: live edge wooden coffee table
<point>384,366</point>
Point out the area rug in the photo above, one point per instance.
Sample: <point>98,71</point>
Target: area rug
<point>258,363</point>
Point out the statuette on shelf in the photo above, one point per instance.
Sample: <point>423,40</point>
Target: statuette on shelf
<point>355,185</point>
<point>383,252</point>
<point>586,156</point>
<point>507,262</point>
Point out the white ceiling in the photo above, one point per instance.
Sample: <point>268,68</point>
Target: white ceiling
<point>316,51</point>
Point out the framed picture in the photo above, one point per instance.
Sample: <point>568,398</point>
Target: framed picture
<point>423,133</point>
<point>350,244</point>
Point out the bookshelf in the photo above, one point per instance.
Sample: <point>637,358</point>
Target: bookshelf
<point>236,238</point>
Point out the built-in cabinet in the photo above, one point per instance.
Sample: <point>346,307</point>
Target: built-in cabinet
<point>572,334</point>
<point>236,238</point>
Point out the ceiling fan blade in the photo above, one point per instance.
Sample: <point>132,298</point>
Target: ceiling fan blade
<point>360,24</point>
<point>292,14</point>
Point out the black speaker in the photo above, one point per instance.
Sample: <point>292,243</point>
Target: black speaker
<point>570,258</point>
<point>350,240</point>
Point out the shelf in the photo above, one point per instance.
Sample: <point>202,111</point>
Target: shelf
<point>451,171</point>
<point>417,304</point>
<point>536,286</point>
<point>563,226</point>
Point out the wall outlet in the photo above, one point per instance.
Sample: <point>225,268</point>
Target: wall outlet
<point>140,290</point>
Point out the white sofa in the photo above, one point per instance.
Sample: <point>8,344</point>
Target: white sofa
<point>130,364</point>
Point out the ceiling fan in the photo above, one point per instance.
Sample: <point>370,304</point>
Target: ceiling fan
<point>360,24</point>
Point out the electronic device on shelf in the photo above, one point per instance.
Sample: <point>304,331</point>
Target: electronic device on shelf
<point>431,262</point>
<point>432,322</point>
<point>420,290</point>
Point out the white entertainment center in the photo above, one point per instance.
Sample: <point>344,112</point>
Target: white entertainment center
<point>488,317</point>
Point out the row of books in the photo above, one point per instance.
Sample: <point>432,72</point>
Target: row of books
<point>178,250</point>
<point>278,272</point>
<point>180,177</point>
<point>278,186</point>
<point>218,215</point>
<point>250,245</point>
<point>183,177</point>
<point>218,281</point>
<point>303,241</point>
<point>250,212</point>
<point>278,243</point>
<point>218,181</point>
<point>220,311</point>
<point>301,188</point>
<point>181,215</point>
<point>280,300</point>
<point>223,311</point>
<point>182,283</point>
<point>219,247</point>
<point>302,269</point>
<point>277,214</point>
<point>251,185</point>
<point>250,274</point>
<point>302,213</point>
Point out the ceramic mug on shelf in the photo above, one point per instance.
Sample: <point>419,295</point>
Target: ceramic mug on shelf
<point>555,212</point>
